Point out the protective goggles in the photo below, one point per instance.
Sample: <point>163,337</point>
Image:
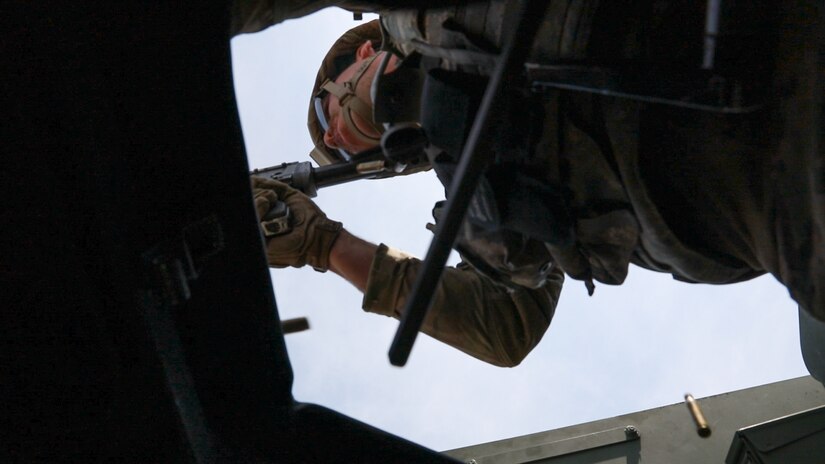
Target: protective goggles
<point>349,103</point>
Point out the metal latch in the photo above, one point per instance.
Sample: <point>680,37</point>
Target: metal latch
<point>172,264</point>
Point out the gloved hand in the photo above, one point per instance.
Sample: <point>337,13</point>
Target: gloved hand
<point>312,233</point>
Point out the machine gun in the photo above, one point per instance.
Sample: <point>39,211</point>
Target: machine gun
<point>401,152</point>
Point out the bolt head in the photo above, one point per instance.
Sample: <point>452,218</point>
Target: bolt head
<point>631,432</point>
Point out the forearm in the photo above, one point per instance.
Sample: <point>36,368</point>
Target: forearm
<point>469,312</point>
<point>351,258</point>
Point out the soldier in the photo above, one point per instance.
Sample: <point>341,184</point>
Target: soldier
<point>516,314</point>
<point>705,197</point>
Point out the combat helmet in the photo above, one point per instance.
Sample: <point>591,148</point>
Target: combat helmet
<point>340,56</point>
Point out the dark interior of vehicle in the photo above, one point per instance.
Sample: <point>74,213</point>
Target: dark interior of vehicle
<point>140,322</point>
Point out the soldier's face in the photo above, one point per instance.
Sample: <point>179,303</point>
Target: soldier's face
<point>340,134</point>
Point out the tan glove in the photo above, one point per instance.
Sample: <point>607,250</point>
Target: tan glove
<point>312,233</point>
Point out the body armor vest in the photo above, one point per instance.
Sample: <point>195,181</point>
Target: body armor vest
<point>562,172</point>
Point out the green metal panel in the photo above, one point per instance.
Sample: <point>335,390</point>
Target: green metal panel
<point>798,438</point>
<point>665,435</point>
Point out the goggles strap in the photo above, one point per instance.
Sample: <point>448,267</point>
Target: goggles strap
<point>350,102</point>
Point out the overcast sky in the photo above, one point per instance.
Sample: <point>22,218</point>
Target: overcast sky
<point>628,348</point>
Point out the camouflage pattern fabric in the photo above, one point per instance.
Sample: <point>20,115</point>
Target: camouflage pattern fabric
<point>495,323</point>
<point>716,199</point>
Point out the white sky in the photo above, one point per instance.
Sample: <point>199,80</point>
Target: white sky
<point>628,348</point>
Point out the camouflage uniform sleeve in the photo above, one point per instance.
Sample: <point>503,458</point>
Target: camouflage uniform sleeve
<point>256,15</point>
<point>470,312</point>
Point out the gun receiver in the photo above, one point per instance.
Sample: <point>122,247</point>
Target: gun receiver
<point>302,176</point>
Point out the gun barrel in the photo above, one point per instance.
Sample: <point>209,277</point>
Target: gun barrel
<point>335,174</point>
<point>302,176</point>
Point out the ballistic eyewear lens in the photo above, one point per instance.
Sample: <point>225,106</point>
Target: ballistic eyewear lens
<point>322,118</point>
